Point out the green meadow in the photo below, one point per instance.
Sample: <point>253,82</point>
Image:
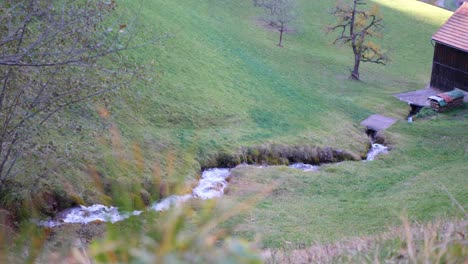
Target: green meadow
<point>220,82</point>
<point>216,81</point>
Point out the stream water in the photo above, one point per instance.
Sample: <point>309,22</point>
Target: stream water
<point>304,167</point>
<point>211,185</point>
<point>376,150</point>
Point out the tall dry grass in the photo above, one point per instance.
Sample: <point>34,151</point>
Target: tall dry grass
<point>442,241</point>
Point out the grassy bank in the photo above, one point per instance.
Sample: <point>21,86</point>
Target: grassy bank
<point>217,81</point>
<point>418,177</point>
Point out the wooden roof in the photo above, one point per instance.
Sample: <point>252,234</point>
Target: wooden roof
<point>454,32</point>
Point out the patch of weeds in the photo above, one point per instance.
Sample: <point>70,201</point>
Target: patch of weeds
<point>426,112</point>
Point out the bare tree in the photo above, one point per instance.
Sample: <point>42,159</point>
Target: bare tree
<point>51,57</point>
<point>280,14</point>
<point>355,26</point>
<point>269,5</point>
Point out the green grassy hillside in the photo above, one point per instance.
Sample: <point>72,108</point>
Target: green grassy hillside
<point>221,82</point>
<point>217,81</point>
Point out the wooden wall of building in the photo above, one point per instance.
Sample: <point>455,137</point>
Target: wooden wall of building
<point>449,68</point>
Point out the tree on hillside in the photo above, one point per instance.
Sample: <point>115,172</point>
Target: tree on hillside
<point>268,5</point>
<point>50,59</point>
<point>279,14</point>
<point>355,26</point>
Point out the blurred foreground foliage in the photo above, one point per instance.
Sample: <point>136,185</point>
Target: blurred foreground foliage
<point>178,236</point>
<point>186,233</point>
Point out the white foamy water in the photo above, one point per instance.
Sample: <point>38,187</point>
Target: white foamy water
<point>304,167</point>
<point>168,202</point>
<point>376,150</point>
<point>211,185</point>
<point>88,214</point>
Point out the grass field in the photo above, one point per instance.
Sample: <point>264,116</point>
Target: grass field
<point>359,198</point>
<point>217,81</point>
<point>221,82</point>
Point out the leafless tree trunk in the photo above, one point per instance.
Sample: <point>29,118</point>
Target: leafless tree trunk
<point>280,14</point>
<point>357,55</point>
<point>355,72</point>
<point>281,30</point>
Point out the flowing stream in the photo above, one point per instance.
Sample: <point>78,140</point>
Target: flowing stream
<point>211,185</point>
<point>304,167</point>
<point>376,150</point>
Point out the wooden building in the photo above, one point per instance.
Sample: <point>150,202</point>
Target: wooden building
<point>450,64</point>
